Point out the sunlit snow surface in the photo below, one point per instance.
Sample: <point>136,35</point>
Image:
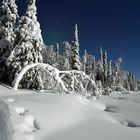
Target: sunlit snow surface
<point>51,116</point>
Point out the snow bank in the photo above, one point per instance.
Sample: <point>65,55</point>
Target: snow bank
<point>5,124</point>
<point>20,110</point>
<point>10,100</point>
<point>29,125</point>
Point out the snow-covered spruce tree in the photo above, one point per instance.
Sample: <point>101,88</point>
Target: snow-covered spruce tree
<point>66,64</point>
<point>60,60</point>
<point>84,61</point>
<point>127,84</point>
<point>100,68</point>
<point>44,53</point>
<point>49,55</point>
<point>67,53</point>
<point>105,65</point>
<point>128,81</point>
<point>110,68</point>
<point>93,74</point>
<point>135,84</point>
<point>132,82</point>
<point>89,63</point>
<point>62,63</point>
<point>138,85</point>
<point>75,59</point>
<point>117,75</point>
<point>56,50</point>
<point>67,49</point>
<point>29,44</point>
<point>109,75</point>
<point>101,60</point>
<point>8,17</point>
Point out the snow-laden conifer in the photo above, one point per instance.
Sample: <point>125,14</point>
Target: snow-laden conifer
<point>8,17</point>
<point>84,61</point>
<point>105,65</point>
<point>29,42</point>
<point>75,60</point>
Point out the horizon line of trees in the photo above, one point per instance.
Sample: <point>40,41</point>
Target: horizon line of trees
<point>107,73</point>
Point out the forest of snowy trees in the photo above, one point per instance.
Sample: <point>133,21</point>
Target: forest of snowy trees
<point>26,62</point>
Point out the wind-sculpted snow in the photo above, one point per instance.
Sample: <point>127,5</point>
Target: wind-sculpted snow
<point>5,125</point>
<point>49,77</point>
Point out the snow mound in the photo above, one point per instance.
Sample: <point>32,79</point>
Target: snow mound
<point>5,124</point>
<point>25,128</point>
<point>129,124</point>
<point>82,100</point>
<point>30,125</point>
<point>10,100</point>
<point>20,110</point>
<point>111,109</point>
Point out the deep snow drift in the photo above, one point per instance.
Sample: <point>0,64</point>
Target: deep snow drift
<point>5,124</point>
<point>49,116</point>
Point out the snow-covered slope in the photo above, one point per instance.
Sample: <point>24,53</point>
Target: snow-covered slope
<point>5,124</point>
<point>49,116</point>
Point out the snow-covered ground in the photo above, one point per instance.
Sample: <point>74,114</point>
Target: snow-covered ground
<point>5,123</point>
<point>50,116</point>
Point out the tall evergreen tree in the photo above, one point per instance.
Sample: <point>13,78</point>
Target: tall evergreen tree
<point>84,61</point>
<point>8,17</point>
<point>89,62</point>
<point>49,55</point>
<point>127,84</point>
<point>105,65</point>
<point>29,42</point>
<point>67,49</point>
<point>110,75</point>
<point>57,50</point>
<point>117,72</point>
<point>67,54</point>
<point>75,60</point>
<point>101,67</point>
<point>110,68</point>
<point>93,75</point>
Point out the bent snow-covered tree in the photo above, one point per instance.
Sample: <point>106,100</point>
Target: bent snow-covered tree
<point>75,59</point>
<point>29,44</point>
<point>8,17</point>
<point>49,77</point>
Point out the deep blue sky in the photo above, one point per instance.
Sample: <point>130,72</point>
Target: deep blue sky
<point>112,24</point>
